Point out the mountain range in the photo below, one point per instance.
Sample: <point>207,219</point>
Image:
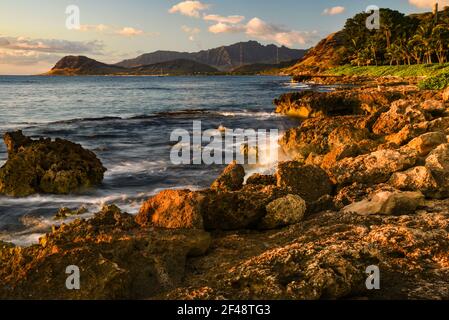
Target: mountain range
<point>223,58</point>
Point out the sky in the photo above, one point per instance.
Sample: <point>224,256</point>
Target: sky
<point>34,35</point>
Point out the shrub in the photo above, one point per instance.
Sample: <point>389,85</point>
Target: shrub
<point>437,82</point>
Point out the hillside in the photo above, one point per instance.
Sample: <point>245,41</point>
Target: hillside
<point>72,66</point>
<point>224,58</point>
<point>263,68</point>
<point>81,65</point>
<point>415,39</point>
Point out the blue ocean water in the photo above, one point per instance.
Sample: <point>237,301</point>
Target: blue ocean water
<point>127,122</point>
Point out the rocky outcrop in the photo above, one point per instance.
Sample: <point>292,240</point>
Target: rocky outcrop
<point>46,166</point>
<point>231,179</point>
<point>116,260</point>
<point>172,209</point>
<point>300,177</point>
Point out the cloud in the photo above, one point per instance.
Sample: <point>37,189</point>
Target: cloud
<point>221,19</point>
<point>51,45</point>
<point>23,57</point>
<point>189,8</point>
<point>130,32</point>
<point>226,28</point>
<point>334,11</point>
<point>259,29</point>
<point>93,27</point>
<point>428,3</point>
<point>191,32</point>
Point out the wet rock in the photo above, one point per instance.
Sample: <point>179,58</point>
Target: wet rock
<point>415,179</point>
<point>427,142</point>
<point>376,167</point>
<point>400,114</point>
<point>117,260</point>
<point>259,179</point>
<point>173,209</point>
<point>231,179</point>
<point>300,178</point>
<point>45,166</point>
<point>283,212</point>
<point>388,203</point>
<point>65,212</point>
<point>241,209</point>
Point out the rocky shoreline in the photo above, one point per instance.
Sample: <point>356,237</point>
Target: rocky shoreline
<point>367,185</point>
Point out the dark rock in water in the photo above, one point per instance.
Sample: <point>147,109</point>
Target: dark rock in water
<point>231,179</point>
<point>116,258</point>
<point>260,179</point>
<point>308,181</point>
<point>45,166</point>
<point>172,209</point>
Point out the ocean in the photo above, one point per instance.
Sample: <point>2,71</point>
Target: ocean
<point>127,122</point>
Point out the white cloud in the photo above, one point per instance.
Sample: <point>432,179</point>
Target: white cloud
<point>51,45</point>
<point>130,32</point>
<point>334,11</point>
<point>428,3</point>
<point>189,8</point>
<point>24,57</point>
<point>226,28</point>
<point>222,19</point>
<point>191,32</point>
<point>259,29</point>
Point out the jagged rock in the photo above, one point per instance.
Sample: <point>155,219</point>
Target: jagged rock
<point>283,212</point>
<point>116,259</point>
<point>325,257</point>
<point>439,124</point>
<point>407,133</point>
<point>446,94</point>
<point>231,179</point>
<point>388,203</point>
<point>400,114</point>
<point>173,209</point>
<point>415,179</point>
<point>259,179</point>
<point>427,142</point>
<point>65,212</point>
<point>339,153</point>
<point>241,209</point>
<point>434,107</point>
<point>301,177</point>
<point>312,135</point>
<point>438,163</point>
<point>45,166</point>
<point>347,135</point>
<point>376,167</point>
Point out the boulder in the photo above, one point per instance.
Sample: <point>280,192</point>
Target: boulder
<point>415,179</point>
<point>376,167</point>
<point>439,124</point>
<point>427,142</point>
<point>231,179</point>
<point>407,133</point>
<point>260,179</point>
<point>347,135</point>
<point>400,114</point>
<point>283,212</point>
<point>388,203</point>
<point>45,166</point>
<point>308,181</point>
<point>172,209</point>
<point>438,163</point>
<point>234,210</point>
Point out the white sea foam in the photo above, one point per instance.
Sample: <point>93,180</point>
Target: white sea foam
<point>128,167</point>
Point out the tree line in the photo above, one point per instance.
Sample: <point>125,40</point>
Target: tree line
<point>401,39</point>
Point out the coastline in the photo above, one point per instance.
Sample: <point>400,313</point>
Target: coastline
<point>243,241</point>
